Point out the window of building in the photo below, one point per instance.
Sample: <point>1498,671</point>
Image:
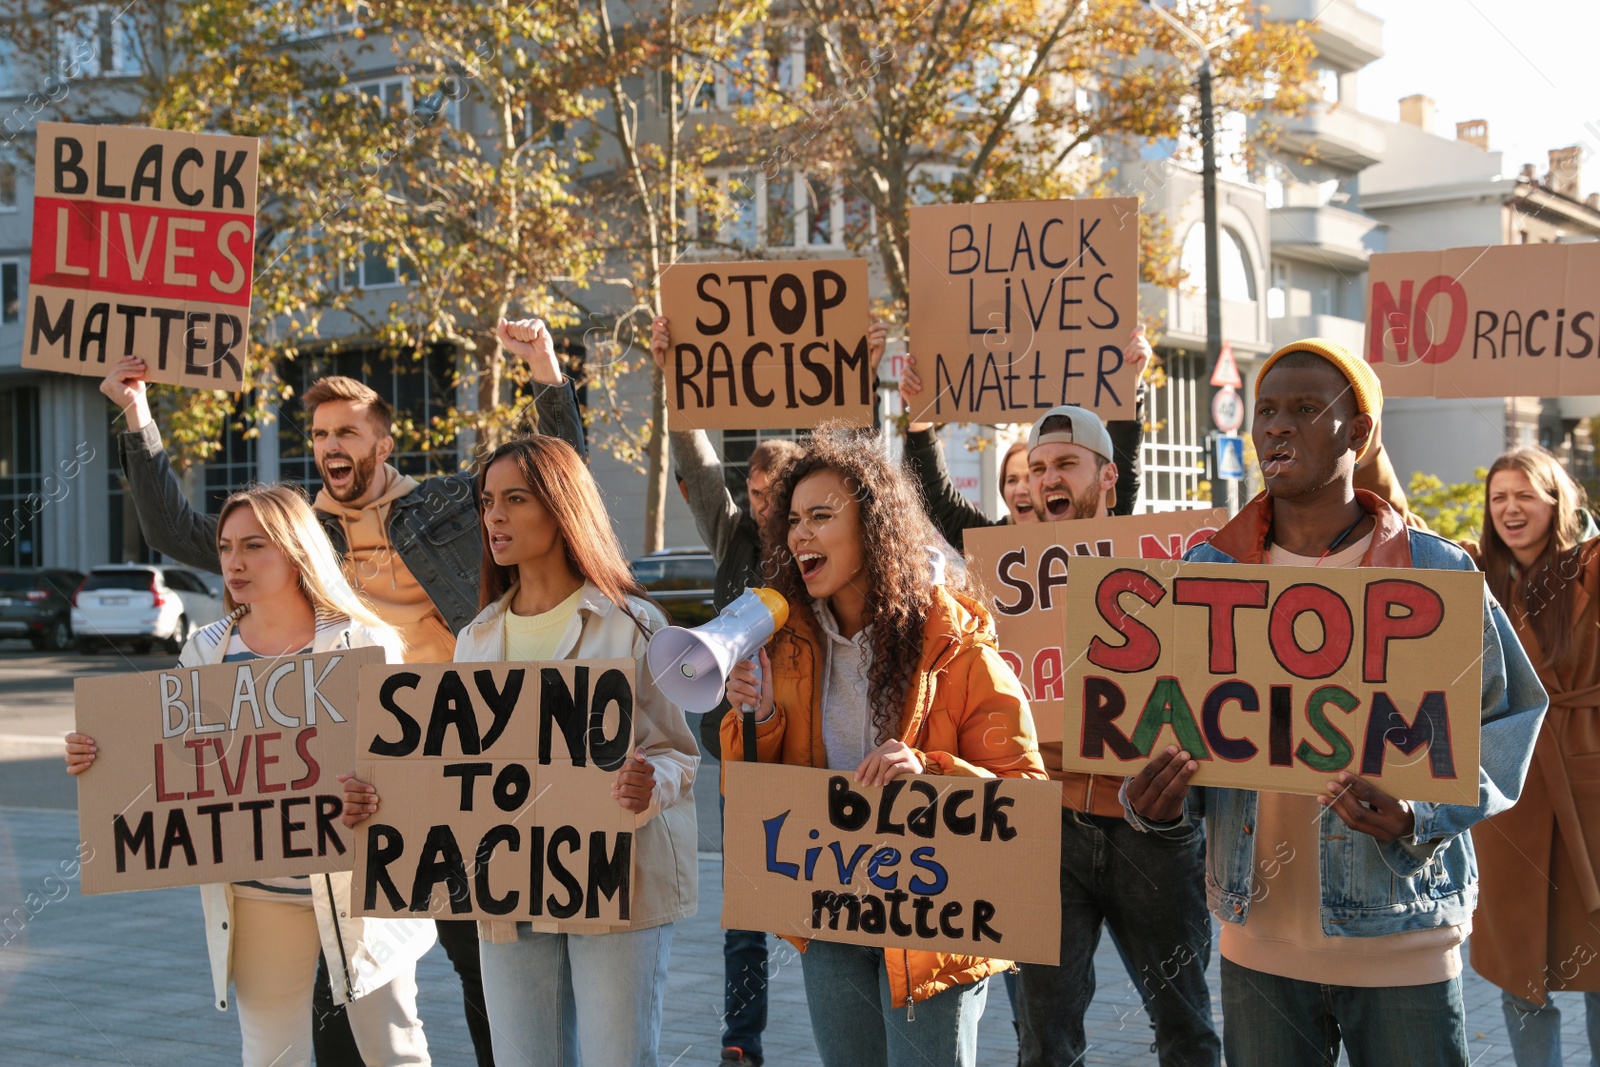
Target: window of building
<point>1328,84</point>
<point>20,477</point>
<point>9,76</point>
<point>1273,185</point>
<point>398,94</point>
<point>1172,459</point>
<point>99,39</point>
<point>787,51</point>
<point>1238,277</point>
<point>1278,295</point>
<point>8,184</point>
<point>791,209</point>
<point>376,269</point>
<point>780,201</point>
<point>10,290</point>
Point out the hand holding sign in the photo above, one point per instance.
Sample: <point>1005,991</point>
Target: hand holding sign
<point>360,800</point>
<point>1157,793</point>
<point>635,785</point>
<point>81,751</point>
<point>887,762</point>
<point>124,386</point>
<point>1368,809</point>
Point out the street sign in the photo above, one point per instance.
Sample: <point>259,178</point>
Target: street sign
<point>1226,371</point>
<point>1230,457</point>
<point>1227,410</point>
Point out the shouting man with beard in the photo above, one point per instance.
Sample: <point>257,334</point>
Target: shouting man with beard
<point>1148,888</point>
<point>411,548</point>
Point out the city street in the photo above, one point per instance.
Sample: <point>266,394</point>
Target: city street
<point>122,979</point>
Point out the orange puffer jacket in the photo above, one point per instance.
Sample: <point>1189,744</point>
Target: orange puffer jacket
<point>965,714</point>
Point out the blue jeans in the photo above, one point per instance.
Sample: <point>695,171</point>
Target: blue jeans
<point>744,986</point>
<point>1268,1021</point>
<point>552,995</point>
<point>856,1025</point>
<point>1149,888</point>
<point>1535,1032</point>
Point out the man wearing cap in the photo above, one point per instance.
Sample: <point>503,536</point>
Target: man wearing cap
<point>1148,888</point>
<point>1358,939</point>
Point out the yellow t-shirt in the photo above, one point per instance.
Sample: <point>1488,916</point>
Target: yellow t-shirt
<point>1283,935</point>
<point>535,637</point>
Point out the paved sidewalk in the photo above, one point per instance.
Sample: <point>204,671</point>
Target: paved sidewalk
<point>122,979</point>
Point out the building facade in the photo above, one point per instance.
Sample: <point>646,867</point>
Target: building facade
<point>1293,252</point>
<point>1434,192</point>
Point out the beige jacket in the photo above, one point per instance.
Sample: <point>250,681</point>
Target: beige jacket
<point>369,952</point>
<point>666,867</point>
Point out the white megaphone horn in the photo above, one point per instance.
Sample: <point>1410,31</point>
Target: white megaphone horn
<point>692,666</point>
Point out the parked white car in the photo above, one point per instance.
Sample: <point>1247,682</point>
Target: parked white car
<point>140,604</point>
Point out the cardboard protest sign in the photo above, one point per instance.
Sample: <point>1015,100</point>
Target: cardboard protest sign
<point>143,244</point>
<point>1022,570</point>
<point>1019,307</point>
<point>768,344</point>
<point>494,787</point>
<point>962,865</point>
<point>1506,320</point>
<point>214,774</point>
<point>1278,678</point>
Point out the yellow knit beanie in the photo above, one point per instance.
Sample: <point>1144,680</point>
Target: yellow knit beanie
<point>1363,382</point>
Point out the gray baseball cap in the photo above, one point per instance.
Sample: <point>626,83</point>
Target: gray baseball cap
<point>1087,430</point>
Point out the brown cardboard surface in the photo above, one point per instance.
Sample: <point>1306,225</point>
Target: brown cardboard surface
<point>239,783</point>
<point>143,243</point>
<point>1501,320</point>
<point>1005,867</point>
<point>732,365</point>
<point>1183,674</point>
<point>1022,570</point>
<point>1017,307</point>
<point>513,762</point>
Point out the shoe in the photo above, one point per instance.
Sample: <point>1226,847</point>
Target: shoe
<point>734,1054</point>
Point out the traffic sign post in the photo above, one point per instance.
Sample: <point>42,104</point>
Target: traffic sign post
<point>1226,372</point>
<point>1230,457</point>
<point>1227,410</point>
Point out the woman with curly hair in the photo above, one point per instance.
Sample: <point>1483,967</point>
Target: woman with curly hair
<point>885,668</point>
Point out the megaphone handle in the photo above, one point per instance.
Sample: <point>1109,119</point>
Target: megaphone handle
<point>747,717</point>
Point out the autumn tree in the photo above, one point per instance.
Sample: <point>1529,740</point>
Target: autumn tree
<point>436,180</point>
<point>1451,511</point>
<point>911,102</point>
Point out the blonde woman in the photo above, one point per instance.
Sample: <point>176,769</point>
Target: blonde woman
<point>287,596</point>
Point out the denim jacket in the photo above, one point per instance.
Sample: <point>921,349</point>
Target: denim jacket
<point>1372,888</point>
<point>434,528</point>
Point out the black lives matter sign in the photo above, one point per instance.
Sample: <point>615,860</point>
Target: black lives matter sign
<point>143,244</point>
<point>213,774</point>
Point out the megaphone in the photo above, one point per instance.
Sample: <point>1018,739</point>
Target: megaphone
<point>692,666</point>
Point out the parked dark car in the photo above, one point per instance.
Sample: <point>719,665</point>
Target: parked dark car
<point>681,580</point>
<point>36,603</point>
